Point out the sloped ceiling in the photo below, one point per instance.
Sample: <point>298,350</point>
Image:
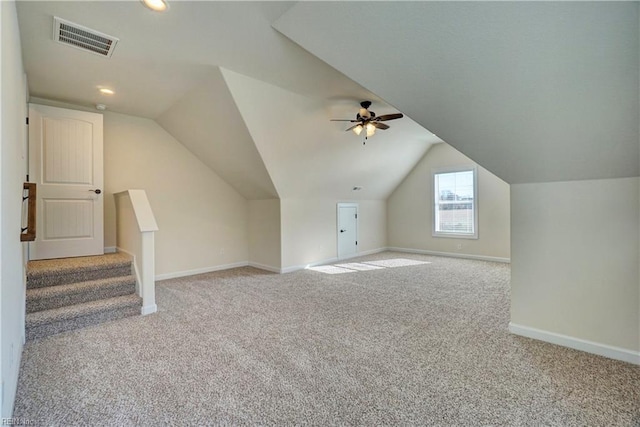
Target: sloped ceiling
<point>264,128</point>
<point>307,155</point>
<point>208,123</point>
<point>146,83</point>
<point>533,91</point>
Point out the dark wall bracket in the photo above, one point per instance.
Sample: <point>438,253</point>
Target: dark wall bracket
<point>28,233</point>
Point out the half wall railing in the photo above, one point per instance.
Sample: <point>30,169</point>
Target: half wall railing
<point>136,227</point>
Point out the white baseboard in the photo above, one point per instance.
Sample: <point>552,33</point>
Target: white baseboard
<point>333,260</point>
<point>293,268</point>
<point>605,350</point>
<point>109,249</point>
<point>265,267</point>
<point>119,249</point>
<point>365,253</point>
<point>200,270</point>
<point>450,254</point>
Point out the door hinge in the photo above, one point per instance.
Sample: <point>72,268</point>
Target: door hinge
<point>27,120</point>
<point>27,177</point>
<point>356,243</point>
<point>356,216</point>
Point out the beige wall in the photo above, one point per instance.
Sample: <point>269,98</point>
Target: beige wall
<point>13,110</point>
<point>202,220</point>
<point>372,225</point>
<point>309,230</point>
<point>410,210</point>
<point>575,259</point>
<point>264,234</point>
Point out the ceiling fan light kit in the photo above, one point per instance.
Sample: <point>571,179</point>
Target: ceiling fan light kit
<point>371,130</point>
<point>368,121</point>
<point>156,5</point>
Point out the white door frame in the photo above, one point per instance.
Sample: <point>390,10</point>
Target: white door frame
<point>338,233</point>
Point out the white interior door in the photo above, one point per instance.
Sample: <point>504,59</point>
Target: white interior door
<point>65,161</point>
<point>347,230</point>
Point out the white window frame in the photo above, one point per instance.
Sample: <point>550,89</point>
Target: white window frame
<point>434,201</point>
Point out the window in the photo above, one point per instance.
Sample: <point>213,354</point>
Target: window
<point>455,212</point>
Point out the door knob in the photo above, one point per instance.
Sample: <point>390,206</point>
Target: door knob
<point>342,231</point>
<point>97,191</point>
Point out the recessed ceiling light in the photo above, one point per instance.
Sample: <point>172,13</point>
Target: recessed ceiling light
<point>101,107</point>
<point>157,5</point>
<point>106,91</point>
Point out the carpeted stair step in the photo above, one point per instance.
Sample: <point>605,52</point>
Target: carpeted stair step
<point>49,322</point>
<point>51,297</point>
<point>56,272</point>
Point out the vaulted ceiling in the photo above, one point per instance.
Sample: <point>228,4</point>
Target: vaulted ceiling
<point>533,91</point>
<point>250,103</point>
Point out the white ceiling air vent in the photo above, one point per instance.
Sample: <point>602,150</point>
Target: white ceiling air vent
<point>84,38</point>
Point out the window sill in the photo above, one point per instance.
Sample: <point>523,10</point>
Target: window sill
<point>455,236</point>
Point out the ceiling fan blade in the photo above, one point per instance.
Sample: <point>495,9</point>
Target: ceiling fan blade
<point>380,125</point>
<point>352,127</point>
<point>343,120</point>
<point>385,117</point>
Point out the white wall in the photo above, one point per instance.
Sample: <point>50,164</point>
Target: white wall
<point>575,260</point>
<point>13,110</point>
<point>309,230</point>
<point>264,234</point>
<point>203,221</point>
<point>410,210</point>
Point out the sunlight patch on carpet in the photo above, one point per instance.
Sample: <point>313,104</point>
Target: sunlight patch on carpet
<point>359,266</point>
<point>353,267</point>
<point>397,262</point>
<point>331,269</point>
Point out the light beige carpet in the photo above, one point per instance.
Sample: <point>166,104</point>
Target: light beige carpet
<point>415,345</point>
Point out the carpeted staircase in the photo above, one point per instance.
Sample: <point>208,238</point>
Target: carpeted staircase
<point>70,293</point>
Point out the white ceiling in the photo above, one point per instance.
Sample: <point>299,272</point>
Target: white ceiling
<point>166,67</point>
<point>207,121</point>
<point>533,91</point>
<point>306,154</point>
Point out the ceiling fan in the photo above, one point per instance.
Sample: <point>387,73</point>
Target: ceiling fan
<point>368,121</point>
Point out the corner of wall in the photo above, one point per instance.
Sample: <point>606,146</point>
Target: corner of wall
<point>265,234</point>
